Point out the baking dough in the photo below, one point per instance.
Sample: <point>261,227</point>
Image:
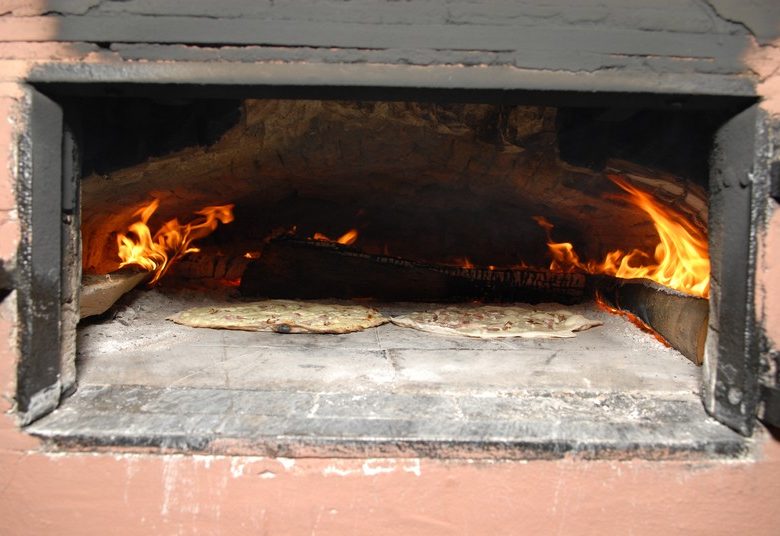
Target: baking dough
<point>283,316</point>
<point>496,321</point>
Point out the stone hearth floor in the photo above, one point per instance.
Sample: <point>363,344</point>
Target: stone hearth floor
<point>611,392</point>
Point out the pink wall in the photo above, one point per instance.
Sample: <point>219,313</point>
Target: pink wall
<point>764,62</point>
<point>147,493</point>
<point>151,494</point>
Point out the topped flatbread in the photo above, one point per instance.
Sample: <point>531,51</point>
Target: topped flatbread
<point>496,321</point>
<point>283,316</point>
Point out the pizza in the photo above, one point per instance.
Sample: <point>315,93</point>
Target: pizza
<point>283,316</point>
<point>496,321</point>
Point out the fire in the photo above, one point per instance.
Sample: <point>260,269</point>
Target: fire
<point>156,252</point>
<point>462,262</point>
<point>347,239</point>
<point>466,263</point>
<point>680,260</point>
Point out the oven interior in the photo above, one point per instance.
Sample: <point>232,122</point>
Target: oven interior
<point>473,191</point>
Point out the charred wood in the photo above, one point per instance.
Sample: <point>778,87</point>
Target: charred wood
<point>307,269</point>
<point>100,292</point>
<point>679,318</point>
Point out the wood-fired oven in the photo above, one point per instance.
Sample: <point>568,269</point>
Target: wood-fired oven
<point>396,185</point>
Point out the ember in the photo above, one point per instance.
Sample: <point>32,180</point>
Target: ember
<point>464,262</point>
<point>347,239</point>
<point>631,317</point>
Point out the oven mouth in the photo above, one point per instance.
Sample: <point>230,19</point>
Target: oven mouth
<point>610,392</point>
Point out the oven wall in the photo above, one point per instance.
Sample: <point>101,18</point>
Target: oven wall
<point>127,493</point>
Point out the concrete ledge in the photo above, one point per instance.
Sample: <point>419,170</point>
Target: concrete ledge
<point>533,425</point>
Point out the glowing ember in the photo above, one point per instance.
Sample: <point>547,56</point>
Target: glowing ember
<point>155,253</point>
<point>463,262</point>
<point>638,322</point>
<point>680,261</point>
<point>347,239</point>
<point>466,263</point>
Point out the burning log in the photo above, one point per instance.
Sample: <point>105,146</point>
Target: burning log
<point>100,292</point>
<point>310,269</point>
<point>154,253</point>
<point>172,241</point>
<point>679,318</point>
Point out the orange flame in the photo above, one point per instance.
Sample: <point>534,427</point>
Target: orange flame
<point>155,253</point>
<point>680,260</point>
<point>462,262</point>
<point>347,239</point>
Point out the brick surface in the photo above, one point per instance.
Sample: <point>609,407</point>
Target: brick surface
<point>9,223</point>
<point>8,357</point>
<point>7,197</point>
<point>46,51</point>
<point>9,236</point>
<point>765,63</point>
<point>10,436</point>
<point>768,278</point>
<point>23,7</point>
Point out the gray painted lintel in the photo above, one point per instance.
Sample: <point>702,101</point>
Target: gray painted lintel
<point>391,76</point>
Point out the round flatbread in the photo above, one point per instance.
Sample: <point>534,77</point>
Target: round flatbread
<point>496,321</point>
<point>283,316</point>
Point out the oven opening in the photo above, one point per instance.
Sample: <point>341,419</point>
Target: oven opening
<point>303,276</point>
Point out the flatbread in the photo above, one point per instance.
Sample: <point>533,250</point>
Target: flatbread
<point>283,316</point>
<point>496,321</point>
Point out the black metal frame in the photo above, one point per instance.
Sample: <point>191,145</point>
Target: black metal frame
<point>39,268</point>
<point>738,172</point>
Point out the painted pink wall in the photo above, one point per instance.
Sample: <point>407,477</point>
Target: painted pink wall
<point>764,62</point>
<point>146,493</point>
<point>150,494</point>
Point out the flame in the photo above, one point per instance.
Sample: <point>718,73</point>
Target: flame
<point>347,239</point>
<point>680,260</point>
<point>463,262</point>
<point>155,253</point>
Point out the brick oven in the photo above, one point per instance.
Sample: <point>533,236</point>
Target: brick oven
<point>391,154</point>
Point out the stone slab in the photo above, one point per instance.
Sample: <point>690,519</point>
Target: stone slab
<point>612,391</point>
<point>536,425</point>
